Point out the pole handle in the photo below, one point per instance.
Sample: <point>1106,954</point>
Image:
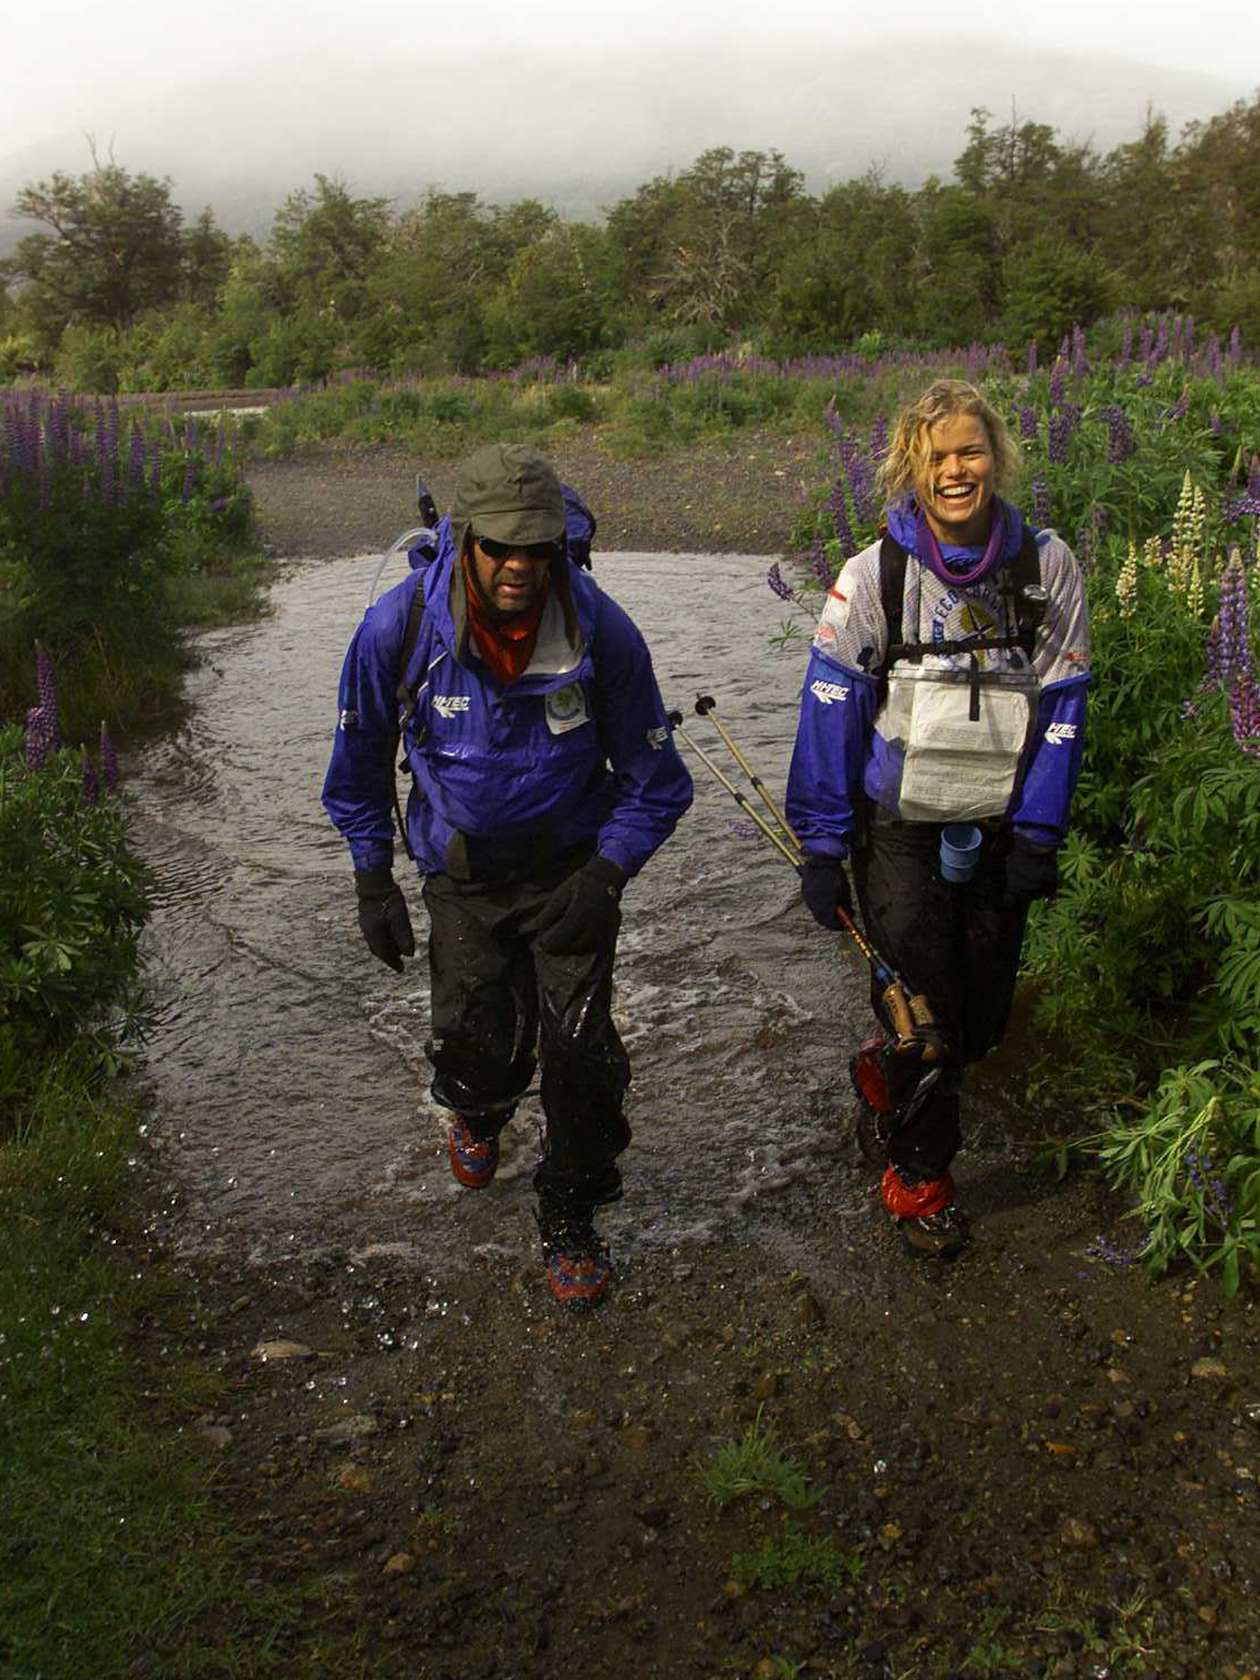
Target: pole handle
<point>921,1010</point>
<point>899,1011</point>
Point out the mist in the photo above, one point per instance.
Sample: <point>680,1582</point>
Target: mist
<point>580,127</point>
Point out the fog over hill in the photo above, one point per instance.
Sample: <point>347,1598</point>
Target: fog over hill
<point>581,132</point>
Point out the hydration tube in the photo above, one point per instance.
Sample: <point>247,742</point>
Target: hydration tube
<point>408,540</point>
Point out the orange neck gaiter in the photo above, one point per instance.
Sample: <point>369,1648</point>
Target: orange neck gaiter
<point>507,648</point>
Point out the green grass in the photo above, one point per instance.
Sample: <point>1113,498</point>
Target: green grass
<point>792,1559</point>
<point>755,1465</point>
<point>112,1544</point>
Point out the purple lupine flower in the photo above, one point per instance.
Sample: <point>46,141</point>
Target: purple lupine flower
<point>1119,434</point>
<point>91,782</point>
<point>879,439</point>
<point>1244,714</point>
<point>1058,380</point>
<point>1028,423</point>
<point>39,742</point>
<point>46,691</point>
<point>190,480</point>
<point>838,507</point>
<point>109,760</point>
<point>1235,346</point>
<point>1235,630</point>
<point>1062,428</point>
<point>1242,507</point>
<point>1214,422</point>
<point>774,577</point>
<point>1181,407</point>
<point>1041,503</point>
<point>1126,346</point>
<point>821,566</point>
<point>1159,350</point>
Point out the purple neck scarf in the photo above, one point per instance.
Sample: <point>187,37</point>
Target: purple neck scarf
<point>928,548</point>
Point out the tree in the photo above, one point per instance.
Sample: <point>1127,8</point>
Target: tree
<point>114,250</point>
<point>326,243</point>
<point>702,248</point>
<point>1051,287</point>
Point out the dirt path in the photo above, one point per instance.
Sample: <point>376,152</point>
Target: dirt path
<point>737,498</point>
<point>1024,1464</point>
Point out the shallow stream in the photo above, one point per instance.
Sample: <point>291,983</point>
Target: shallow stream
<point>291,1090</point>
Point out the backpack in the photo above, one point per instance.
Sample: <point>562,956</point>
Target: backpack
<point>1023,599</point>
<point>1014,580</point>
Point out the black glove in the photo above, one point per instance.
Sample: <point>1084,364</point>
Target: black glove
<point>824,884</point>
<point>383,918</point>
<point>1031,872</point>
<point>583,915</point>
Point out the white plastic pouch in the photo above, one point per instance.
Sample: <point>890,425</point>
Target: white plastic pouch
<point>957,767</point>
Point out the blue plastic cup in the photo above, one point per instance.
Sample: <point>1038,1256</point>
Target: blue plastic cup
<point>960,851</point>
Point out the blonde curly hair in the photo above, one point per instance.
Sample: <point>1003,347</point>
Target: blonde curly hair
<point>907,465</point>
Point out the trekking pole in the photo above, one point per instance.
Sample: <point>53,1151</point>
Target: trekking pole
<point>706,706</point>
<point>788,847</point>
<point>906,1013</point>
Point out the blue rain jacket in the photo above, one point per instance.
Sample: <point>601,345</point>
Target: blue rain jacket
<point>576,750</point>
<point>839,753</point>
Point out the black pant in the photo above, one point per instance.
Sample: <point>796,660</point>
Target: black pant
<point>957,944</point>
<point>499,1002</point>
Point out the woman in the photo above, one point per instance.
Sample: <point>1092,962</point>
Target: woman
<point>946,684</point>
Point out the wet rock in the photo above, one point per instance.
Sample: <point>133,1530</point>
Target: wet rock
<point>349,1429</point>
<point>215,1435</point>
<point>271,1351</point>
<point>767,1386</point>
<point>401,1563</point>
<point>1208,1370</point>
<point>807,1310</point>
<point>1079,1536</point>
<point>356,1478</point>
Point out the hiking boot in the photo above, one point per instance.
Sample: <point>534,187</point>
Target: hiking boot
<point>577,1263</point>
<point>936,1236</point>
<point>474,1160</point>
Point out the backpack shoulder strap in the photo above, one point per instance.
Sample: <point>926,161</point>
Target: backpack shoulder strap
<point>892,589</point>
<point>411,635</point>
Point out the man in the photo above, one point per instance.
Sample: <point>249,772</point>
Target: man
<point>544,777</point>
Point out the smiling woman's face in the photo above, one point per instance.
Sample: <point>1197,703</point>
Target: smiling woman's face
<point>959,489</point>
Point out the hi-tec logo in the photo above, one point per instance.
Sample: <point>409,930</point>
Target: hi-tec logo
<point>656,739</point>
<point>828,693</point>
<point>1059,732</point>
<point>446,705</point>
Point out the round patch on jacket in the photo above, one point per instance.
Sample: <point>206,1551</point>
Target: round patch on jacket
<point>566,709</point>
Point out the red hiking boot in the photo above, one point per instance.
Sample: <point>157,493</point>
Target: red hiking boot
<point>931,1223</point>
<point>474,1161</point>
<point>577,1262</point>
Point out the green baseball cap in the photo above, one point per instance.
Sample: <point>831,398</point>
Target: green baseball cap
<point>510,493</point>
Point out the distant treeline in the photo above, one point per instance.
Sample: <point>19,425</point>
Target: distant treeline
<point>1033,235</point>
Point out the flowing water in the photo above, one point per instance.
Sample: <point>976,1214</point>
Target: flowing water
<point>291,1090</point>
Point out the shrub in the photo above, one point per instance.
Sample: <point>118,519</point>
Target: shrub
<point>72,904</point>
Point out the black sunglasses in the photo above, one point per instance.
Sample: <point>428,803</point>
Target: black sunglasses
<point>503,551</point>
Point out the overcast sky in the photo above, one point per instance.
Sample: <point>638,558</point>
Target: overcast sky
<point>70,63</point>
